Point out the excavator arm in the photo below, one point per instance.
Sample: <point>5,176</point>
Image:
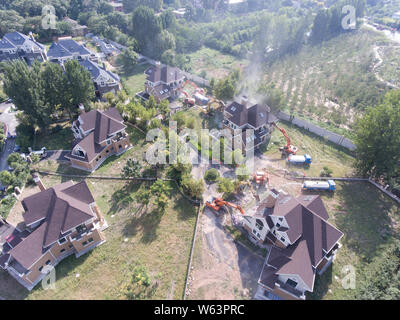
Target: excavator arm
<point>288,148</point>
<point>218,203</point>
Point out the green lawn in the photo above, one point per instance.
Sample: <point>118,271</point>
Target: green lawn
<point>160,243</point>
<point>133,81</point>
<point>60,140</point>
<point>369,221</point>
<point>322,152</point>
<point>214,63</point>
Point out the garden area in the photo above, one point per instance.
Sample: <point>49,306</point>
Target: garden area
<point>209,63</point>
<point>141,242</point>
<point>331,84</point>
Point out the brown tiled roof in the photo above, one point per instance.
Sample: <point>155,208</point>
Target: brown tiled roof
<point>165,74</point>
<point>312,237</point>
<point>315,204</point>
<point>104,124</point>
<point>256,116</point>
<point>62,207</point>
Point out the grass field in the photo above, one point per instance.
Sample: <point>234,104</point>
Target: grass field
<point>322,152</point>
<point>159,243</point>
<point>133,81</point>
<point>370,222</point>
<point>214,63</point>
<point>61,140</point>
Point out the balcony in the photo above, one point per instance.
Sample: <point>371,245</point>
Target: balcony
<point>289,289</point>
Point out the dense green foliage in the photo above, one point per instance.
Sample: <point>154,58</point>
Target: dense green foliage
<point>378,141</point>
<point>381,279</point>
<point>42,91</point>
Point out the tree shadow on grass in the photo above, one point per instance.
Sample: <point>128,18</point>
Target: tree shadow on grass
<point>185,209</point>
<point>123,198</point>
<point>364,218</point>
<point>145,221</point>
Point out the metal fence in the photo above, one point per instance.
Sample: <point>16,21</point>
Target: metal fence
<point>331,136</point>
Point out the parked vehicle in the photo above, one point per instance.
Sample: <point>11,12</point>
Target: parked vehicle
<point>304,159</point>
<point>329,185</point>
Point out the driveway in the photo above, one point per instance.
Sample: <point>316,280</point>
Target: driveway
<point>58,155</point>
<point>7,150</point>
<point>222,268</point>
<point>8,117</point>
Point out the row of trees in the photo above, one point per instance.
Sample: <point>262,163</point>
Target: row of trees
<point>42,91</point>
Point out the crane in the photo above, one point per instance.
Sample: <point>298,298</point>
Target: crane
<point>288,149</point>
<point>218,203</point>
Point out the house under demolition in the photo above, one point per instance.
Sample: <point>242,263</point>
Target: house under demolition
<point>301,240</point>
<point>238,117</point>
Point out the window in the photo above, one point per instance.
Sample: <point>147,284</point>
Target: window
<point>283,239</point>
<point>48,261</point>
<point>259,224</point>
<point>70,246</point>
<point>108,142</point>
<point>291,283</point>
<point>62,240</point>
<point>280,219</point>
<point>278,225</point>
<point>84,243</point>
<point>62,250</point>
<point>90,240</point>
<point>41,268</point>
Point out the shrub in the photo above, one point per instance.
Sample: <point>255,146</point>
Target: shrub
<point>211,175</point>
<point>326,172</point>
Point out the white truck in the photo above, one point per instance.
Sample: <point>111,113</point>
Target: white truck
<point>329,185</point>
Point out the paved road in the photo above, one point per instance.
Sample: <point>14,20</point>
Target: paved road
<point>7,150</point>
<point>8,117</point>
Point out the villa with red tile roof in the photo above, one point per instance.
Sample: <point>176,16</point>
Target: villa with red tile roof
<point>300,239</point>
<point>60,221</point>
<point>98,135</point>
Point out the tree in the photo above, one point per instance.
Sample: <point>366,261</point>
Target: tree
<point>79,86</point>
<point>7,178</point>
<point>378,139</point>
<point>225,89</point>
<point>211,175</point>
<point>193,188</point>
<point>129,59</point>
<point>24,86</point>
<point>54,86</point>
<point>163,107</point>
<point>226,186</point>
<point>131,169</point>
<point>145,27</point>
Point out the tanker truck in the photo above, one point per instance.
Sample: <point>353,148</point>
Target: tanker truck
<point>304,159</point>
<point>329,185</point>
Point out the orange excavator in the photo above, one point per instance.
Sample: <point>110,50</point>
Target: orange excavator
<point>218,203</point>
<point>289,148</point>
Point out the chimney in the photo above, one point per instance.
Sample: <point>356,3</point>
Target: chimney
<point>38,182</point>
<point>244,101</point>
<point>158,64</point>
<point>271,198</point>
<point>82,108</point>
<point>31,36</point>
